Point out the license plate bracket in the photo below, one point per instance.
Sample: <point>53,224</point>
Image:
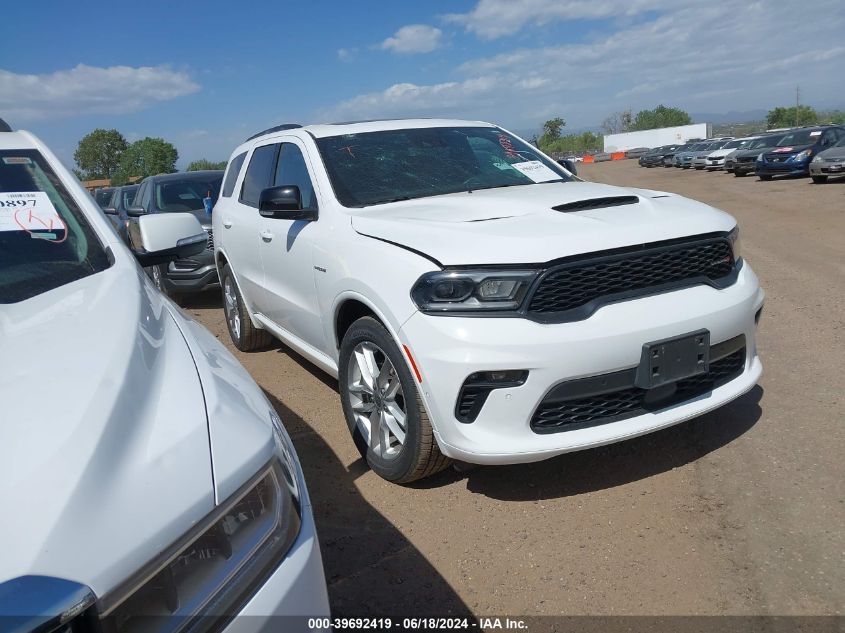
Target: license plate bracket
<point>673,359</point>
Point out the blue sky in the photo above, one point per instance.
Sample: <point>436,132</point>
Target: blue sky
<point>205,75</point>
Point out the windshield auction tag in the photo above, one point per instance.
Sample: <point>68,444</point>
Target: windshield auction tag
<point>536,171</point>
<point>32,212</point>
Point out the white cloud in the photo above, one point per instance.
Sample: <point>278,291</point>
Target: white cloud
<point>414,38</point>
<point>346,54</point>
<point>491,19</point>
<point>697,56</point>
<point>84,90</point>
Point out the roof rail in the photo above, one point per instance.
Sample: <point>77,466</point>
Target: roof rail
<point>4,127</point>
<point>277,128</point>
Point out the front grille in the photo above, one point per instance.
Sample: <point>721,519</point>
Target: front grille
<point>567,415</point>
<point>210,245</point>
<point>582,286</point>
<point>746,159</point>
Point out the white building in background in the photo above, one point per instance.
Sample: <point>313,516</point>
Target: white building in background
<point>656,137</point>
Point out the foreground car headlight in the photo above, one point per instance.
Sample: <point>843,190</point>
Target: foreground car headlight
<point>216,567</point>
<point>803,155</point>
<point>736,244</point>
<point>472,290</point>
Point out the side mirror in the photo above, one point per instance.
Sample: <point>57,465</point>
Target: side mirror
<point>160,238</point>
<point>109,210</point>
<point>569,165</point>
<point>136,212</point>
<point>284,203</point>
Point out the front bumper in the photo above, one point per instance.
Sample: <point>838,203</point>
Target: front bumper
<point>715,163</point>
<point>789,168</point>
<point>827,169</point>
<point>744,167</point>
<point>194,274</point>
<point>448,349</point>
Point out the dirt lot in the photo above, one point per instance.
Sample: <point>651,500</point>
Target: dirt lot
<point>740,511</point>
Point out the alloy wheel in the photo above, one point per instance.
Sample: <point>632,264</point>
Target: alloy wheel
<point>233,313</point>
<point>377,400</point>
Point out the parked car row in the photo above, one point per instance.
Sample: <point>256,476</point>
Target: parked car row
<point>816,151</point>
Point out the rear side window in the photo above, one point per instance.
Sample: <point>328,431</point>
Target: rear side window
<point>232,175</point>
<point>45,239</point>
<point>259,173</point>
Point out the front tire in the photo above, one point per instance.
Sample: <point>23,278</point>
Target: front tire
<point>819,179</point>
<point>765,177</point>
<point>245,336</point>
<point>382,406</point>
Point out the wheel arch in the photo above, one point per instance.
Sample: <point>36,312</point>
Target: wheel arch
<point>221,260</point>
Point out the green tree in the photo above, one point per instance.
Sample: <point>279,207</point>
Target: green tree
<point>837,117</point>
<point>789,117</point>
<point>586,141</point>
<point>146,157</point>
<point>552,128</point>
<point>202,163</point>
<point>661,116</point>
<point>99,153</point>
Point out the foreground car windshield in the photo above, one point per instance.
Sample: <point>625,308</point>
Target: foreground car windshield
<point>378,167</point>
<point>45,241</point>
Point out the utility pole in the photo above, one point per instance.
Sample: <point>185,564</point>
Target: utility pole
<point>797,103</point>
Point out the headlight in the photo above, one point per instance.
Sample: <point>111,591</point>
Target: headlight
<point>760,157</point>
<point>803,155</point>
<point>818,158</point>
<point>736,244</point>
<point>215,567</point>
<point>472,290</point>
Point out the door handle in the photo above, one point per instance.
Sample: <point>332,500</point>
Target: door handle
<point>227,224</point>
<point>266,236</point>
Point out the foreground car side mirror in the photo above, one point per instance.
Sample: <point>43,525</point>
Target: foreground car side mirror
<point>569,165</point>
<point>109,210</point>
<point>136,212</point>
<point>284,203</point>
<point>160,238</point>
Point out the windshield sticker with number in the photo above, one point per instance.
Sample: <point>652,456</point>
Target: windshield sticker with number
<point>32,212</point>
<point>536,171</point>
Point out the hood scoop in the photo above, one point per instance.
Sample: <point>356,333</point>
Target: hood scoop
<point>596,203</point>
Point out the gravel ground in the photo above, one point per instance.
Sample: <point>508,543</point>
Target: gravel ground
<point>737,512</point>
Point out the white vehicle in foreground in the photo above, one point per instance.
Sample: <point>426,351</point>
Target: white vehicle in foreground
<point>142,470</point>
<point>475,300</point>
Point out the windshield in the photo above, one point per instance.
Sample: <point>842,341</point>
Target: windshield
<point>379,167</point>
<point>804,137</point>
<point>768,141</point>
<point>174,195</point>
<point>45,240</point>
<point>127,194</point>
<point>841,142</point>
<point>736,144</point>
<point>103,196</point>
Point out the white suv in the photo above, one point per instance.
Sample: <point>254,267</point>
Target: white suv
<point>475,300</point>
<point>144,472</point>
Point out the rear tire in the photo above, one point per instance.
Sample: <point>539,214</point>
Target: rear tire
<point>158,274</point>
<point>245,336</point>
<point>739,174</point>
<point>382,406</point>
<point>819,180</point>
<point>765,177</point>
